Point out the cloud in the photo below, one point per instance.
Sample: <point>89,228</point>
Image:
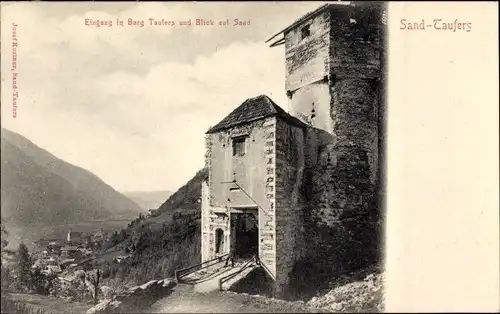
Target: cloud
<point>126,104</point>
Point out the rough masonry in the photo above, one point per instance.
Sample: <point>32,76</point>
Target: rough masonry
<point>310,177</point>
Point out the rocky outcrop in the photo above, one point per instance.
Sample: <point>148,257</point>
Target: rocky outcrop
<point>274,305</point>
<point>135,298</point>
<point>361,292</point>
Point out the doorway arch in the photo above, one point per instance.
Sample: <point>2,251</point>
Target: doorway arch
<point>219,240</point>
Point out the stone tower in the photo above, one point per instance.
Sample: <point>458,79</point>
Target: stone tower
<point>334,81</point>
<point>301,189</point>
<point>333,73</point>
<point>250,202</point>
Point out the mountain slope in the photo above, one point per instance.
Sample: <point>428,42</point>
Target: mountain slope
<point>148,199</point>
<point>188,197</point>
<point>158,245</point>
<point>41,189</point>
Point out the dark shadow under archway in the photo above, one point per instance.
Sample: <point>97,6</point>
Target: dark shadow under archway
<point>219,241</point>
<point>245,235</point>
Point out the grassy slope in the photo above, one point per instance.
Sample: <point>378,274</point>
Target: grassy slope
<point>45,304</point>
<point>160,244</point>
<point>188,197</point>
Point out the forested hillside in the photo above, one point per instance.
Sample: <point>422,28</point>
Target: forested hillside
<point>156,246</point>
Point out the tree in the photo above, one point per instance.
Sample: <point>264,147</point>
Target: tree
<point>6,279</point>
<point>123,234</point>
<point>115,238</point>
<point>24,265</point>
<point>5,275</point>
<point>42,283</point>
<point>94,278</point>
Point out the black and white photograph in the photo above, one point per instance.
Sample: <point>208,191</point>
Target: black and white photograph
<point>194,157</point>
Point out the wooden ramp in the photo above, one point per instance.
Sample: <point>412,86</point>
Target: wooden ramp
<point>215,275</point>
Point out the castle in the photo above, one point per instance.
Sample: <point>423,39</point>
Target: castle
<point>304,187</point>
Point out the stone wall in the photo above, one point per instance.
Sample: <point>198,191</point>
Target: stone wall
<point>267,218</point>
<point>216,221</point>
<point>248,170</point>
<point>313,99</point>
<point>205,222</point>
<point>340,183</point>
<point>307,70</point>
<point>351,209</point>
<point>344,43</point>
<point>355,81</point>
<point>321,184</point>
<point>354,45</point>
<point>340,229</point>
<point>307,58</point>
<point>382,116</point>
<point>354,111</point>
<point>255,173</point>
<point>290,165</point>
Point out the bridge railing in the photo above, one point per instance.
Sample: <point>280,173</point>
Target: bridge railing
<point>269,272</point>
<point>179,273</point>
<point>245,266</point>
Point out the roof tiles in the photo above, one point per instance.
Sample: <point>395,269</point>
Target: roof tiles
<point>252,109</point>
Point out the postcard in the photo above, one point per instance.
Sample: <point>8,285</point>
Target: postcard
<point>162,157</point>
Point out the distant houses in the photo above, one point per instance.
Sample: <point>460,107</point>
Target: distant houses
<point>51,244</point>
<point>47,266</point>
<point>54,246</point>
<point>121,258</point>
<point>52,269</point>
<point>80,239</point>
<point>65,263</point>
<point>56,255</point>
<point>72,252</point>
<point>153,213</point>
<point>100,235</point>
<point>74,238</point>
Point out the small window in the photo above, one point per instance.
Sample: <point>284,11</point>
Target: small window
<point>305,31</point>
<point>239,146</point>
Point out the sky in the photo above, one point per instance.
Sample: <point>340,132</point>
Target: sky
<point>131,104</point>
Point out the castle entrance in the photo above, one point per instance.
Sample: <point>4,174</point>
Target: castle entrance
<point>244,233</point>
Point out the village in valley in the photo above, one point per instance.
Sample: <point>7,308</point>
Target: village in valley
<point>53,256</point>
<point>61,257</point>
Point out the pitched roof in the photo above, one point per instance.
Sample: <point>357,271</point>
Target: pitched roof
<point>253,109</point>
